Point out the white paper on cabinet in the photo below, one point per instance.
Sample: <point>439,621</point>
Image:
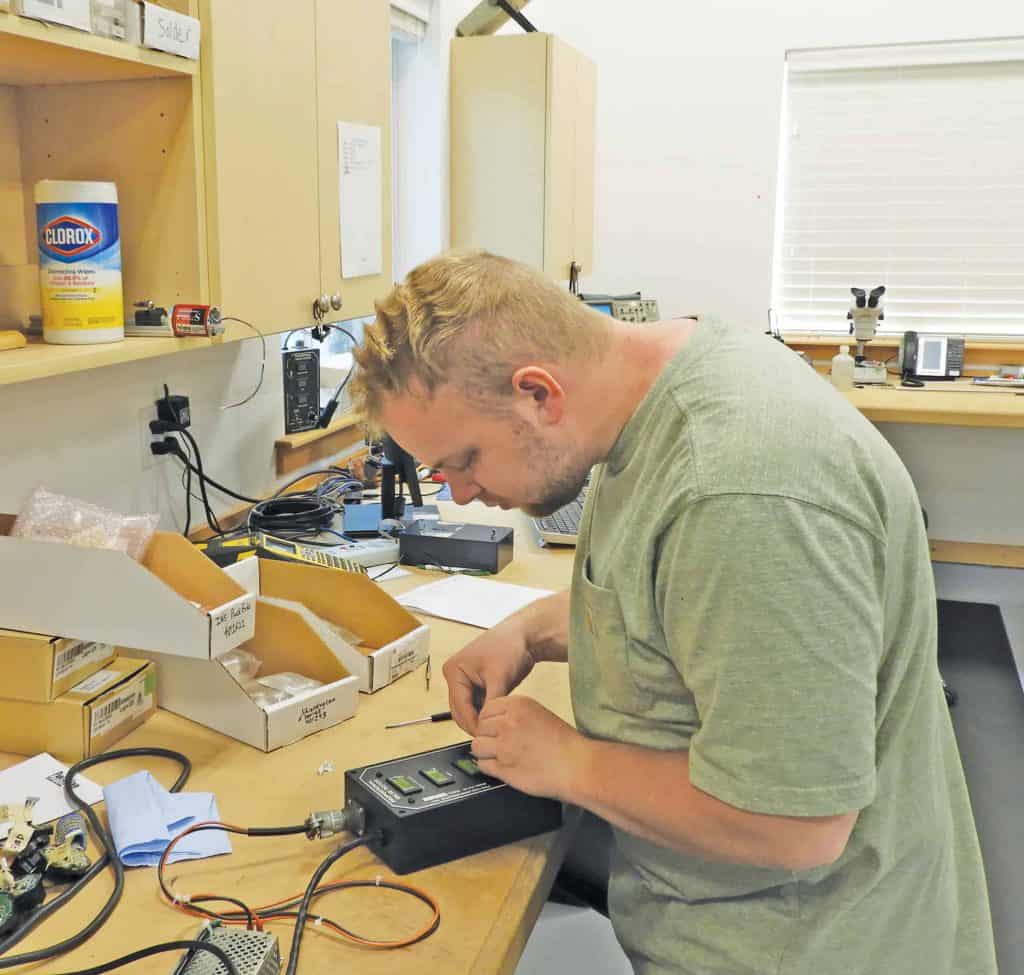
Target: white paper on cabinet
<point>359,199</point>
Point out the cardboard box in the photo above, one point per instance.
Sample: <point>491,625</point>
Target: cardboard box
<point>205,691</point>
<point>175,600</point>
<point>86,720</point>
<point>70,13</point>
<point>40,668</point>
<point>391,641</point>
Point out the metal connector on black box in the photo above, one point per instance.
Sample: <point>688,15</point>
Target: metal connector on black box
<point>483,548</point>
<point>436,806</point>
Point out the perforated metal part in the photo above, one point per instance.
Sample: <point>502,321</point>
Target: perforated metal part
<point>253,953</point>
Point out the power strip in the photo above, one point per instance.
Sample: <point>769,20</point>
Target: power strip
<point>436,806</point>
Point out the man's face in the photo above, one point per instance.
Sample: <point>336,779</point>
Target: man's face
<point>505,457</point>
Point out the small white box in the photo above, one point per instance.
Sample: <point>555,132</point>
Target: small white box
<point>70,13</point>
<point>206,692</point>
<point>167,30</point>
<point>392,641</point>
<point>174,601</point>
<point>133,24</point>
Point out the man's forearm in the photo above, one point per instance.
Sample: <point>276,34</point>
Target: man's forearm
<point>649,793</point>
<point>546,625</point>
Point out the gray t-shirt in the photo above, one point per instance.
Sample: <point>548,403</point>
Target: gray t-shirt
<point>753,584</point>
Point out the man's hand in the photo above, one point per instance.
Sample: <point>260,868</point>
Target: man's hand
<point>522,743</point>
<point>488,668</point>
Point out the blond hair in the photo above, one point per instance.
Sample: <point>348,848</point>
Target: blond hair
<point>470,319</point>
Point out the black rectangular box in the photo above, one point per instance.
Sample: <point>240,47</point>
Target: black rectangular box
<point>436,806</point>
<point>483,548</point>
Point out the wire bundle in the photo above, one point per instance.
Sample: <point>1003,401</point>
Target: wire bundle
<point>253,918</point>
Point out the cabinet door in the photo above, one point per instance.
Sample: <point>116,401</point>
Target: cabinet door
<point>569,189</point>
<point>583,201</point>
<point>499,149</point>
<point>353,84</point>
<point>259,91</point>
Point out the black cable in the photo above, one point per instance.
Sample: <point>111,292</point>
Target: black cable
<point>109,966</point>
<point>292,513</point>
<point>108,856</point>
<point>390,568</point>
<point>188,494</point>
<point>314,882</point>
<point>215,484</point>
<point>211,518</point>
<point>332,404</point>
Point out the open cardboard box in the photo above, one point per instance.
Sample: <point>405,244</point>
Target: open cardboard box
<point>206,692</point>
<point>106,596</point>
<point>392,641</point>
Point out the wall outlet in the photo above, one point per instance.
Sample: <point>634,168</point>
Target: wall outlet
<point>148,459</point>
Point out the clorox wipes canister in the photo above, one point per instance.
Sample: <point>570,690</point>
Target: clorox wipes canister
<point>79,262</point>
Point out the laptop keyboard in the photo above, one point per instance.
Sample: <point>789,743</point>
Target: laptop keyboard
<point>565,521</point>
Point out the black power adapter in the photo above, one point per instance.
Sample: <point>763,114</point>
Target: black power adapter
<point>436,806</point>
<point>173,409</point>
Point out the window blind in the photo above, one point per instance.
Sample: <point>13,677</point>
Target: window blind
<point>409,18</point>
<point>903,167</point>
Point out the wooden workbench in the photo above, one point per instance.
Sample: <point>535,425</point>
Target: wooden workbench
<point>955,404</point>
<point>489,902</point>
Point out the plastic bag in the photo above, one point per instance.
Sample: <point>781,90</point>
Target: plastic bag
<point>49,517</point>
<point>241,664</point>
<point>291,684</point>
<point>264,696</point>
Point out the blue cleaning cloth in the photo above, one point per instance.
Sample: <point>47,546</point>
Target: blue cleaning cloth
<point>445,494</point>
<point>145,817</point>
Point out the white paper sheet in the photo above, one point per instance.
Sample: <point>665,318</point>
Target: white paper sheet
<point>361,202</point>
<point>472,600</point>
<point>42,776</point>
<point>386,572</point>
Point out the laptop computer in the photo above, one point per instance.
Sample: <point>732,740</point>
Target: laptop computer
<point>563,526</point>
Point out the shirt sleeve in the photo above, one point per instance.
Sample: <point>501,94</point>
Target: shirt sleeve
<point>772,612</point>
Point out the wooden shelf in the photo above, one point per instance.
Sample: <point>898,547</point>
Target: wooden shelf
<point>39,360</point>
<point>978,553</point>
<point>297,450</point>
<point>35,53</point>
<point>959,404</point>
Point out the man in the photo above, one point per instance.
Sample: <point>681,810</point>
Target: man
<point>751,629</point>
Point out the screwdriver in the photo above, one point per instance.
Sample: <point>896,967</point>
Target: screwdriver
<point>440,716</point>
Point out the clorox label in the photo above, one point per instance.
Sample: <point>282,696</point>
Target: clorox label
<point>75,232</point>
<point>70,237</point>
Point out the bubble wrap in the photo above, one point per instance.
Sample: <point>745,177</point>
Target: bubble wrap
<point>49,517</point>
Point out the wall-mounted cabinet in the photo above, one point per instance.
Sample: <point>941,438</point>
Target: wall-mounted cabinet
<point>273,97</point>
<point>78,107</point>
<point>522,150</point>
<point>226,168</point>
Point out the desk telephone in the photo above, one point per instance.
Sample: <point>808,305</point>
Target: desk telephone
<point>930,357</point>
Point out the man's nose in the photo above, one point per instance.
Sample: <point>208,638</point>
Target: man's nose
<point>463,489</point>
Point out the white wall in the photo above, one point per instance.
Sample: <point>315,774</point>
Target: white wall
<point>688,115</point>
<point>83,434</point>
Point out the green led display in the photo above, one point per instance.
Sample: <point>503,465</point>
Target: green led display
<point>469,766</point>
<point>404,784</point>
<point>437,777</point>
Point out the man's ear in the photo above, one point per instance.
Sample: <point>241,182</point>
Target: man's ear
<point>538,396</point>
